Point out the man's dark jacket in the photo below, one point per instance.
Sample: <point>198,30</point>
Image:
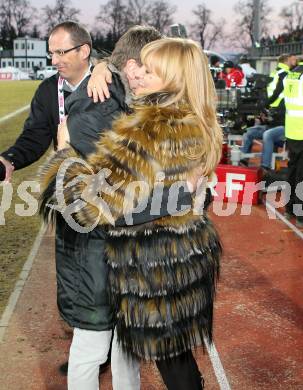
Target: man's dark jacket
<point>39,129</point>
<point>81,269</point>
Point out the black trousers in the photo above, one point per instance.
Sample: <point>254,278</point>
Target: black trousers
<point>181,373</point>
<point>295,177</point>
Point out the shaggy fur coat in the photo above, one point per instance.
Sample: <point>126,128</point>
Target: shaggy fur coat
<point>163,273</point>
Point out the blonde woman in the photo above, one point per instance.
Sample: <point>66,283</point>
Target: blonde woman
<point>162,274</point>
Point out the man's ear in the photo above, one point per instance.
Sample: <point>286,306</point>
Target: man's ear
<point>131,68</point>
<point>85,51</point>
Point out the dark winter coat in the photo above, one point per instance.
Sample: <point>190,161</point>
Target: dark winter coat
<point>87,120</point>
<point>40,128</point>
<point>163,273</point>
<point>82,274</point>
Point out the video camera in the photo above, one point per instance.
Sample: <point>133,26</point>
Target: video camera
<point>238,107</point>
<point>253,98</point>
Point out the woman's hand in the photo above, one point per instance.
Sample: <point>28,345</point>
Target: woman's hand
<point>97,87</point>
<point>193,179</point>
<point>63,135</point>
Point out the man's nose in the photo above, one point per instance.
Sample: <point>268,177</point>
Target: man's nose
<point>55,59</point>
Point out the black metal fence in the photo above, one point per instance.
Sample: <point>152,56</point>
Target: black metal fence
<point>277,49</point>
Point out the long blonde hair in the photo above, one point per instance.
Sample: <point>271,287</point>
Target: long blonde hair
<point>183,67</point>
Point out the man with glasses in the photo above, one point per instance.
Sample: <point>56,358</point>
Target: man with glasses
<point>69,48</point>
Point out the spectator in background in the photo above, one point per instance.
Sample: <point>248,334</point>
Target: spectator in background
<point>215,68</point>
<point>294,36</point>
<point>232,76</point>
<point>214,61</point>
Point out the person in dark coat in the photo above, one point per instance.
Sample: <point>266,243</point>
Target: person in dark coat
<point>81,276</point>
<point>82,123</point>
<point>81,280</point>
<point>163,273</point>
<point>40,128</point>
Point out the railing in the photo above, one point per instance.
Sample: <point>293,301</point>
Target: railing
<point>277,49</point>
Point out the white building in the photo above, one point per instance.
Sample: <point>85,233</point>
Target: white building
<point>27,54</point>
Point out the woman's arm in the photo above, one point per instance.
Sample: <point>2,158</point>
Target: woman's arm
<point>103,189</point>
<point>97,87</point>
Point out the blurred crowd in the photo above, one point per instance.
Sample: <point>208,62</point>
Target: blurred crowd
<point>294,36</point>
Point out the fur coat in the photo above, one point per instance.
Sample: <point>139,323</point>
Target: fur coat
<point>163,273</point>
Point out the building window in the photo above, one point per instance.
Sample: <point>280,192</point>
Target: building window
<point>17,64</point>
<point>22,46</point>
<point>33,64</point>
<point>32,46</point>
<point>22,64</point>
<point>4,64</point>
<point>16,46</point>
<point>9,63</point>
<point>41,64</point>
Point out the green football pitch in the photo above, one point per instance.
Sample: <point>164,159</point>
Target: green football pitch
<point>17,234</point>
<point>15,94</point>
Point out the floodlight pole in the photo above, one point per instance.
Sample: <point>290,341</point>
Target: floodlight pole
<point>256,21</point>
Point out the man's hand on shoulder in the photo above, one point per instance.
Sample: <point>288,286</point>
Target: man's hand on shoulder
<point>9,169</point>
<point>97,87</point>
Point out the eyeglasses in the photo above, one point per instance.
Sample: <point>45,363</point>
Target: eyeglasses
<point>61,52</point>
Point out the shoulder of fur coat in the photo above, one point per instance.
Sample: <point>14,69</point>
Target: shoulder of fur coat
<point>150,142</point>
